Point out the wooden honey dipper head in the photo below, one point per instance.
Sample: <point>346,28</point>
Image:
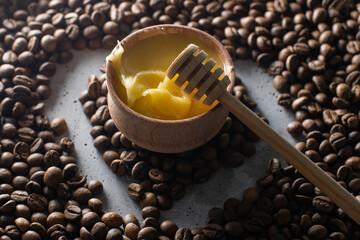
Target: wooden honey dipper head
<point>190,66</point>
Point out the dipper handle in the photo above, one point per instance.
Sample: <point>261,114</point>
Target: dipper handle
<point>190,67</point>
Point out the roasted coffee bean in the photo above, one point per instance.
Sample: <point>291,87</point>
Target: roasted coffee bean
<point>95,205</point>
<point>118,167</point>
<point>129,157</point>
<point>112,219</point>
<point>132,230</point>
<point>67,145</point>
<point>102,142</point>
<point>149,199</point>
<point>274,166</point>
<point>168,228</point>
<point>294,128</point>
<point>77,181</point>
<point>158,176</point>
<point>276,67</point>
<point>135,191</point>
<point>82,195</point>
<point>323,204</point>
<point>59,126</point>
<point>213,231</point>
<point>353,162</point>
<point>53,176</point>
<point>55,218</point>
<point>70,170</point>
<point>37,202</point>
<point>285,100</point>
<point>19,196</point>
<point>150,211</point>
<point>337,140</point>
<point>51,158</point>
<point>113,234</point>
<point>183,234</point>
<point>89,219</point>
<point>139,171</point>
<point>72,213</point>
<point>148,233</point>
<point>317,232</point>
<point>95,187</point>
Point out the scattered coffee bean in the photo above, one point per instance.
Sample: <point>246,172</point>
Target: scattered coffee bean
<point>59,126</point>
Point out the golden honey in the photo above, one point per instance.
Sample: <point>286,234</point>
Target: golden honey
<point>140,81</point>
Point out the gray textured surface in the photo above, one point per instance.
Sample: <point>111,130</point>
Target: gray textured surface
<point>191,211</point>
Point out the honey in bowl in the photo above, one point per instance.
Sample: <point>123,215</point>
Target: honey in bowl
<point>151,50</point>
<point>140,80</point>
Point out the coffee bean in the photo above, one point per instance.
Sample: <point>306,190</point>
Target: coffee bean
<point>72,213</point>
<point>95,205</point>
<point>150,211</point>
<point>94,90</point>
<point>91,32</point>
<point>183,234</point>
<point>89,219</point>
<point>95,186</point>
<point>158,176</point>
<point>85,234</point>
<point>67,145</point>
<point>135,191</point>
<point>31,235</point>
<point>78,181</point>
<point>330,117</point>
<point>53,176</point>
<point>168,228</point>
<point>212,231</point>
<point>317,232</point>
<point>139,171</point>
<point>118,167</point>
<point>55,218</point>
<point>37,202</point>
<point>48,43</point>
<point>148,233</point>
<point>149,199</point>
<point>59,126</point>
<point>132,230</point>
<point>112,219</point>
<point>82,195</point>
<point>337,140</point>
<point>350,120</point>
<point>294,128</point>
<point>353,162</point>
<point>353,185</point>
<point>102,142</point>
<point>114,234</point>
<point>323,204</point>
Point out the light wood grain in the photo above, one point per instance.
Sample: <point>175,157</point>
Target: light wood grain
<point>215,89</point>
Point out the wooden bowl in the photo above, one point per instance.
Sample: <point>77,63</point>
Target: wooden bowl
<point>168,136</point>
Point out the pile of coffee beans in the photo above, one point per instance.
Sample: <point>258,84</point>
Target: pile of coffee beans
<point>311,49</point>
<point>285,206</point>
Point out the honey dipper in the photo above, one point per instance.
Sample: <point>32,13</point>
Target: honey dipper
<point>190,68</point>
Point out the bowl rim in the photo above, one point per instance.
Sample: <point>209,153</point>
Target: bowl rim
<point>168,28</point>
